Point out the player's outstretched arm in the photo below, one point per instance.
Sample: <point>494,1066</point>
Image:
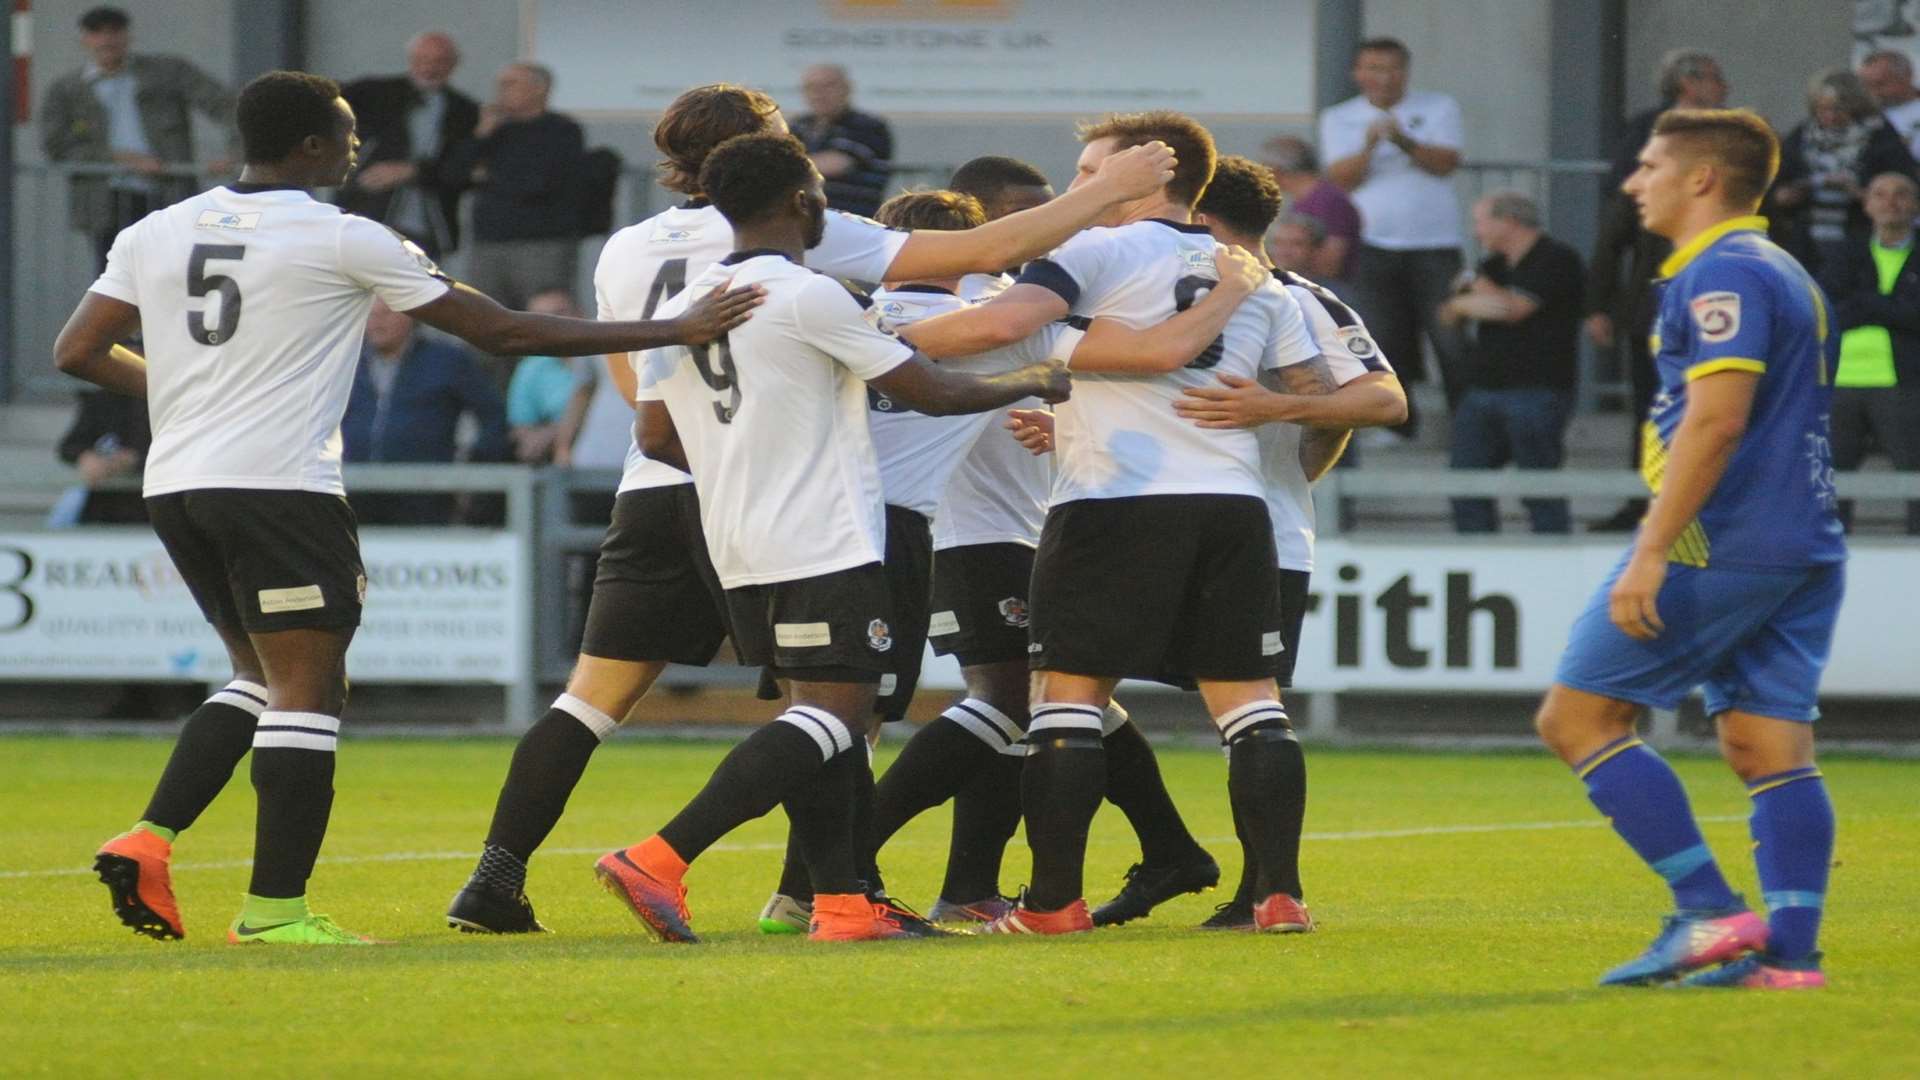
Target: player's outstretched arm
<point>1012,316</point>
<point>88,348</point>
<point>475,317</point>
<point>1715,420</point>
<point>1375,399</point>
<point>924,385</point>
<point>1112,346</point>
<point>1131,174</point>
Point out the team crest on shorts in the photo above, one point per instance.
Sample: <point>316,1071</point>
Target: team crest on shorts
<point>879,637</point>
<point>360,590</point>
<point>1014,610</point>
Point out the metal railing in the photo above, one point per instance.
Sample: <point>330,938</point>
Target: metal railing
<point>548,537</point>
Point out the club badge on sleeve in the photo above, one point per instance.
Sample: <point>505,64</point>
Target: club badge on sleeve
<point>1717,314</point>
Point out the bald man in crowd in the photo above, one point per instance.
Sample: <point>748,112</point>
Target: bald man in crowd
<point>853,150</point>
<point>524,163</point>
<point>411,127</point>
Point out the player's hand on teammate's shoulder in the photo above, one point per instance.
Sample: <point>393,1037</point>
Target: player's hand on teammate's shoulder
<point>1032,428</point>
<point>718,312</point>
<point>1051,382</point>
<point>1138,171</point>
<point>1239,270</point>
<point>1237,402</point>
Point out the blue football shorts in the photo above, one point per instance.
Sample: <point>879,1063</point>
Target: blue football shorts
<point>1756,640</point>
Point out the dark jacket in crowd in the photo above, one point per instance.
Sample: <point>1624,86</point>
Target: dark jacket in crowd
<point>1854,287</point>
<point>169,90</point>
<point>436,383</point>
<point>1884,152</point>
<point>1542,350</point>
<point>107,422</point>
<point>382,105</point>
<point>864,137</point>
<point>533,172</point>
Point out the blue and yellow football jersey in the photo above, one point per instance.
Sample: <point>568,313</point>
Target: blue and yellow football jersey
<point>1731,300</point>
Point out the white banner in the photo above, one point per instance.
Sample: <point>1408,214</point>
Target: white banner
<point>442,607</point>
<point>1493,616</point>
<point>1040,57</point>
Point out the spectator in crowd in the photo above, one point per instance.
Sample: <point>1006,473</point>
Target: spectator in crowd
<point>107,440</point>
<point>1626,257</point>
<point>524,161</point>
<point>542,390</point>
<point>1393,150</point>
<point>853,150</point>
<point>411,125</point>
<point>134,111</point>
<point>1888,76</point>
<point>1825,164</point>
<point>1688,78</point>
<point>1517,386</point>
<point>1296,243</point>
<point>1297,170</point>
<point>1876,297</point>
<point>408,397</point>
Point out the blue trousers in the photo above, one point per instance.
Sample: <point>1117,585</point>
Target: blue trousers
<point>1525,427</point>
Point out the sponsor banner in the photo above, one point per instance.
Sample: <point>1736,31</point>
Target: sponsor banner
<point>444,607</point>
<point>933,57</point>
<point>1493,616</point>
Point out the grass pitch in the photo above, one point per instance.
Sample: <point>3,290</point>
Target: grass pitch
<point>1467,903</point>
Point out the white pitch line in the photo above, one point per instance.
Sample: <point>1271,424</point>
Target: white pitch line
<point>448,856</point>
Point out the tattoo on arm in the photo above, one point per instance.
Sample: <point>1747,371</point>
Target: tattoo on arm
<point>1311,378</point>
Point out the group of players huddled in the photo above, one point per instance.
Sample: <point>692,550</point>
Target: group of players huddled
<point>1067,440</point>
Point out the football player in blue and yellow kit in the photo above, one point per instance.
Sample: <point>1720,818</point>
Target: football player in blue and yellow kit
<point>1734,579</point>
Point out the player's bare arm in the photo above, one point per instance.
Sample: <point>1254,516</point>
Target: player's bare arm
<point>1012,316</point>
<point>620,369</point>
<point>478,319</point>
<point>1113,346</point>
<point>1320,447</point>
<point>657,437</point>
<point>88,346</point>
<point>1710,430</point>
<point>1131,174</point>
<point>1375,399</point>
<point>938,391</point>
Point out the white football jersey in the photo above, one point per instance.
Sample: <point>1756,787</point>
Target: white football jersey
<point>253,303</point>
<point>645,264</point>
<point>980,288</point>
<point>1350,352</point>
<point>773,419</point>
<point>919,453</point>
<point>1118,436</point>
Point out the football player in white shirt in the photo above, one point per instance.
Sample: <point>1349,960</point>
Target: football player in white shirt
<point>654,558</point>
<point>919,456</point>
<point>772,424</point>
<point>1157,556</point>
<point>252,299</point>
<point>1349,386</point>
